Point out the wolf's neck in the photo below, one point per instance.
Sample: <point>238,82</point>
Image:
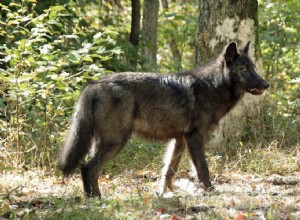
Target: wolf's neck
<point>219,97</point>
<point>228,99</point>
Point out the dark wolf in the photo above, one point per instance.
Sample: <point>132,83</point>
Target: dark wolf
<point>183,107</point>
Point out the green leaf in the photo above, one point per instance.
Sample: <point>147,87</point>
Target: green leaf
<point>101,50</point>
<point>71,36</point>
<point>97,36</point>
<point>72,58</point>
<point>57,8</point>
<point>105,58</point>
<point>21,46</point>
<point>2,105</point>
<point>59,112</point>
<point>3,78</point>
<point>61,85</point>
<point>15,5</point>
<point>87,59</point>
<point>24,19</point>
<point>3,6</point>
<point>52,15</point>
<point>57,24</point>
<point>13,22</point>
<point>117,51</point>
<point>22,85</point>
<point>59,78</point>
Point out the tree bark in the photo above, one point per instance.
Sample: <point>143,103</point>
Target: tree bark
<point>149,33</point>
<point>135,30</point>
<point>222,21</point>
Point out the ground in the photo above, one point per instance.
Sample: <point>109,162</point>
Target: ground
<point>133,195</point>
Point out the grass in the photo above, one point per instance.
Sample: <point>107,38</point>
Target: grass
<point>243,182</point>
<point>256,177</point>
<point>228,201</point>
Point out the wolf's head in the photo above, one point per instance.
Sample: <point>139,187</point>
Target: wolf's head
<point>242,70</point>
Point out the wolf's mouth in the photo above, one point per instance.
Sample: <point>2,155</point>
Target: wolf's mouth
<point>255,91</point>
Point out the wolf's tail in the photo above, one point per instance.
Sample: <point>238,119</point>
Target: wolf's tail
<point>80,135</point>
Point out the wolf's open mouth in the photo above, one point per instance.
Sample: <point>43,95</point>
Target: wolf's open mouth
<point>255,91</point>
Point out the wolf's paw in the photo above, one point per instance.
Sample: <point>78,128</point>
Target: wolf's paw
<point>210,188</point>
<point>164,184</point>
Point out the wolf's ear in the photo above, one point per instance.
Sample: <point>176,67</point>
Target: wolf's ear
<point>231,52</point>
<point>246,48</point>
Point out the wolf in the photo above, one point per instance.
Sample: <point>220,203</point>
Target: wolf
<point>183,107</point>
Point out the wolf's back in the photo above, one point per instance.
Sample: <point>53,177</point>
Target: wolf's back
<point>80,135</point>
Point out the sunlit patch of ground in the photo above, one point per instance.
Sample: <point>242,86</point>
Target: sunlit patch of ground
<point>133,195</point>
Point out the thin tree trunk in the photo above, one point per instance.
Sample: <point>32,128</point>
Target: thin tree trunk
<point>222,21</point>
<point>135,30</point>
<point>149,33</point>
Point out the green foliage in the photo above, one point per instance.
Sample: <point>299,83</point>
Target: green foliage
<point>137,152</point>
<point>46,60</point>
<point>50,49</point>
<point>177,27</point>
<point>280,45</point>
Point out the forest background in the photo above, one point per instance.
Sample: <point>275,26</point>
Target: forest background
<point>50,49</point>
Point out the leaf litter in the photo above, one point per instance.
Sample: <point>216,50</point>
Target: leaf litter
<point>133,195</point>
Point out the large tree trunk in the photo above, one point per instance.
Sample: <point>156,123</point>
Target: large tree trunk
<point>222,21</point>
<point>135,30</point>
<point>149,33</point>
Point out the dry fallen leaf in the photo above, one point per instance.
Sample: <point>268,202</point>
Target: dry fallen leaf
<point>4,208</point>
<point>240,217</point>
<point>232,203</point>
<point>253,185</point>
<point>147,200</point>
<point>160,211</point>
<point>174,217</point>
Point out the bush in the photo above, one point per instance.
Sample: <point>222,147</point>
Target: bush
<point>45,61</point>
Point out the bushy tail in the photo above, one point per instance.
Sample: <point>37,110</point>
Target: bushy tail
<point>79,137</point>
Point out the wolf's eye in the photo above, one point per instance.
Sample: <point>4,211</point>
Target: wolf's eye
<point>244,69</point>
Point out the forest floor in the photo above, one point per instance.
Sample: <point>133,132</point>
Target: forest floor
<point>133,195</point>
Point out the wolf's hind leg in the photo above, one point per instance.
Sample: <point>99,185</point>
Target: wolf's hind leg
<point>90,172</point>
<point>173,156</point>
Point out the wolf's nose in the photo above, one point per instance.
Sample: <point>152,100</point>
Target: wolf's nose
<point>266,85</point>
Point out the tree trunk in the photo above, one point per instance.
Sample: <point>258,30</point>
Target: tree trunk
<point>135,30</point>
<point>222,21</point>
<point>149,33</point>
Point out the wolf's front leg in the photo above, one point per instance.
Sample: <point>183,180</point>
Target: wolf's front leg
<point>173,156</point>
<point>195,143</point>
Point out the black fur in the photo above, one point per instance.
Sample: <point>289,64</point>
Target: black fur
<point>184,107</point>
